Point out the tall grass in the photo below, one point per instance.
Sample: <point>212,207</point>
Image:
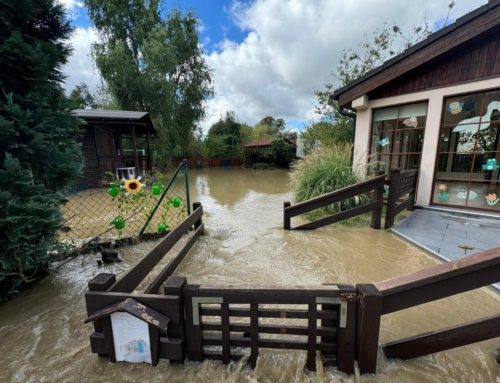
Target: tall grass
<point>324,170</point>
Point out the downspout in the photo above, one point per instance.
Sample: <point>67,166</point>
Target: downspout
<point>352,115</point>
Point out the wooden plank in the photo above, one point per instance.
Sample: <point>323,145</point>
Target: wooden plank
<point>268,295</point>
<point>199,222</point>
<point>375,205</point>
<point>154,344</point>
<point>403,205</point>
<point>335,196</point>
<point>491,58</point>
<point>134,308</point>
<point>267,343</point>
<point>107,332</point>
<point>347,339</point>
<point>441,281</point>
<point>286,220</point>
<point>169,269</point>
<point>131,278</point>
<point>172,349</point>
<point>194,345</point>
<point>392,199</point>
<point>444,339</point>
<point>226,348</point>
<point>330,332</point>
<point>270,313</point>
<point>97,344</point>
<point>378,195</point>
<point>174,286</point>
<point>311,336</point>
<point>368,323</point>
<point>254,334</point>
<point>102,282</point>
<point>434,50</point>
<point>165,305</point>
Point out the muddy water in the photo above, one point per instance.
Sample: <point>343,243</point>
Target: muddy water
<point>43,338</point>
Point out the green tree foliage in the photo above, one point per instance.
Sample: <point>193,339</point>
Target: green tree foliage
<point>81,98</point>
<point>39,153</point>
<point>223,138</point>
<point>268,128</point>
<point>153,64</point>
<point>280,153</point>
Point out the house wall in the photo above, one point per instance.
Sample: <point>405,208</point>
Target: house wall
<point>435,99</point>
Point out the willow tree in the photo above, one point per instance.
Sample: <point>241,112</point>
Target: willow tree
<point>155,64</point>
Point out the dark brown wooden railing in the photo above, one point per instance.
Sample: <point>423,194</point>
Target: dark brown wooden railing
<point>375,184</point>
<point>238,309</point>
<point>401,183</point>
<point>441,281</point>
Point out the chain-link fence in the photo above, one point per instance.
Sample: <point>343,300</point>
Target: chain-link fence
<point>126,209</point>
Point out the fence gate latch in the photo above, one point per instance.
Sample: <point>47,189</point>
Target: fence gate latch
<point>335,301</point>
<point>349,297</point>
<point>196,306</point>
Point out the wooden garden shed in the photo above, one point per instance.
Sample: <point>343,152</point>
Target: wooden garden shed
<point>114,139</point>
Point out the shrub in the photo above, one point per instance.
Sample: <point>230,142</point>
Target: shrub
<point>324,170</point>
<point>280,153</point>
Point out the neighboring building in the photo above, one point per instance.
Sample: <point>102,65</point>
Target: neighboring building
<point>437,106</point>
<point>255,150</point>
<point>103,143</point>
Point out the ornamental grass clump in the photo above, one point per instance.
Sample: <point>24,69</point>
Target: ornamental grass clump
<point>325,170</point>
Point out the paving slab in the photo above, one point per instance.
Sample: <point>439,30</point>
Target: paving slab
<point>442,232</point>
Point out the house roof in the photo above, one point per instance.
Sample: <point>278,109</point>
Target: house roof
<point>268,142</point>
<point>356,88</point>
<point>121,118</point>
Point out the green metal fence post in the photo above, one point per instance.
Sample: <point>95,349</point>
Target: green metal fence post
<point>186,177</point>
<point>161,199</point>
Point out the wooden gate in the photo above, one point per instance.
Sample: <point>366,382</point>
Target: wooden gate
<point>220,320</point>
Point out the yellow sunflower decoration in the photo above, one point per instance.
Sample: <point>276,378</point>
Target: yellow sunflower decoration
<point>133,186</point>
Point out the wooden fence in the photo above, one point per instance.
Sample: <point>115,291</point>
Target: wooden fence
<point>401,183</point>
<point>440,281</point>
<point>252,305</point>
<point>107,294</point>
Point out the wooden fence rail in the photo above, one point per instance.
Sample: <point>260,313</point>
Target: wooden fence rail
<point>375,184</point>
<point>440,281</point>
<point>401,183</point>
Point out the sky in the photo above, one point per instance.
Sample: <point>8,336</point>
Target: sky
<point>269,56</point>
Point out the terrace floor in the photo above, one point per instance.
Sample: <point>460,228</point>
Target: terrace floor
<point>442,231</point>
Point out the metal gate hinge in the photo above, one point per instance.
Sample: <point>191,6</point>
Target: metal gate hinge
<point>349,297</point>
<point>336,301</point>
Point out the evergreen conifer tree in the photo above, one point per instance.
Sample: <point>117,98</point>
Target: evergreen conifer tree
<point>39,150</point>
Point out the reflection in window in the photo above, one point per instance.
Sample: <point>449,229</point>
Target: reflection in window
<point>397,136</point>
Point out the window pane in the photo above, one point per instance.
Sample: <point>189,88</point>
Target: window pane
<point>491,108</point>
<point>413,110</point>
<point>461,109</point>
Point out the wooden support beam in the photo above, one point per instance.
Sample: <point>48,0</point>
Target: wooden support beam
<point>369,313</point>
<point>194,338</point>
<point>444,339</point>
<point>286,221</point>
<point>440,281</point>
<point>311,336</point>
<point>174,286</point>
<point>392,200</point>
<point>254,334</point>
<point>347,336</point>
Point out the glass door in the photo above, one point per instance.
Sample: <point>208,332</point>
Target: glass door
<point>468,164</point>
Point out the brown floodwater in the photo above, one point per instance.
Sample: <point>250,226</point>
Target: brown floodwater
<point>43,338</point>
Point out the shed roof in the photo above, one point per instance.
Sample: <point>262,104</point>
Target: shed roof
<point>121,118</point>
<point>268,142</point>
<point>356,88</point>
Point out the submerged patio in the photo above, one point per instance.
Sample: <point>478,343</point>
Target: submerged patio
<point>450,234</point>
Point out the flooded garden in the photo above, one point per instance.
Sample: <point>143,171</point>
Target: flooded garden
<point>44,338</point>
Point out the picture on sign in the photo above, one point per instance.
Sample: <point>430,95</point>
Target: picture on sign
<point>131,338</point>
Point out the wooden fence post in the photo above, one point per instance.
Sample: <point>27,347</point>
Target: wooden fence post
<point>378,194</point>
<point>412,193</point>
<point>194,336</point>
<point>286,221</point>
<point>198,223</point>
<point>102,282</point>
<point>369,313</point>
<point>393,198</point>
<point>174,286</point>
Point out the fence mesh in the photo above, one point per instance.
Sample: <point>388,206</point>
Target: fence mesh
<point>118,211</point>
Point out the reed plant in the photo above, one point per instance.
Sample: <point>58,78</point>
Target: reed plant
<point>325,170</point>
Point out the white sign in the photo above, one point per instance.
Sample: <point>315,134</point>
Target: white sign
<point>131,338</point>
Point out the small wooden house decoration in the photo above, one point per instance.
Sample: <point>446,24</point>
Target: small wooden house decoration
<point>131,331</point>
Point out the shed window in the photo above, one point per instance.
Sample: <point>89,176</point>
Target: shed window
<point>398,135</point>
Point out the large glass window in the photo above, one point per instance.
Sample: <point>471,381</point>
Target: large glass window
<point>398,136</point>
<point>468,166</point>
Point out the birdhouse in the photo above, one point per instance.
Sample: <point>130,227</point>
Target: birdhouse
<point>131,331</point>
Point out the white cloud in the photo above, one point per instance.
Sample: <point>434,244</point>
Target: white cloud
<point>292,46</point>
<point>80,67</point>
<point>72,7</point>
